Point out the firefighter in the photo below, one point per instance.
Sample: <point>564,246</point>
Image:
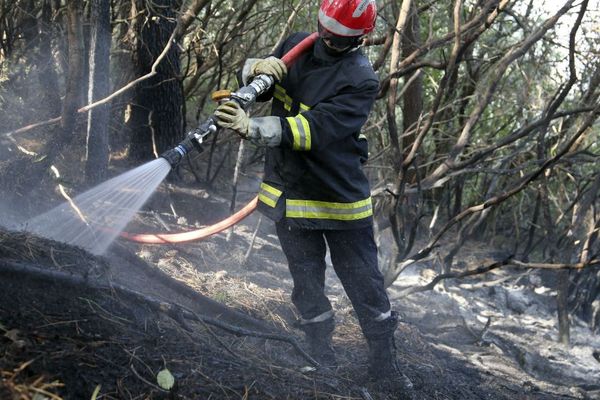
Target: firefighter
<point>314,187</point>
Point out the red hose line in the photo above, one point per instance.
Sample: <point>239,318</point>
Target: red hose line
<point>299,49</point>
<point>203,233</point>
<point>198,234</point>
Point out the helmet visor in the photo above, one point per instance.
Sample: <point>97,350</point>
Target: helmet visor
<point>338,43</point>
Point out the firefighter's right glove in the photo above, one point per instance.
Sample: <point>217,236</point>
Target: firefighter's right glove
<point>271,66</point>
<point>231,115</point>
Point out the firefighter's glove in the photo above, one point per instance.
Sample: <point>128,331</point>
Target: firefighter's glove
<point>271,66</point>
<point>231,115</point>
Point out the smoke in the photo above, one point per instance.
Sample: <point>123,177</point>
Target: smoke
<point>24,99</point>
<point>29,93</point>
<point>9,217</point>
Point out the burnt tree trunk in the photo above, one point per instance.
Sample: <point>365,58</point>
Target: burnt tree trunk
<point>37,33</point>
<point>412,100</point>
<point>73,94</point>
<point>122,73</point>
<point>584,292</point>
<point>157,108</point>
<point>99,87</point>
<point>47,74</point>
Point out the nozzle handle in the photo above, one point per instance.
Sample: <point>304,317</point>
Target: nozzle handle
<point>219,95</point>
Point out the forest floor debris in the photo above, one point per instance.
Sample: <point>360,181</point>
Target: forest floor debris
<point>68,340</point>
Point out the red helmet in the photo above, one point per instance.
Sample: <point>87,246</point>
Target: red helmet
<point>348,17</point>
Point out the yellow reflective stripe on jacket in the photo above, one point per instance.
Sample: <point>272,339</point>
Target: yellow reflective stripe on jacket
<point>269,195</point>
<point>328,210</point>
<point>281,95</point>
<point>301,132</point>
<point>304,107</point>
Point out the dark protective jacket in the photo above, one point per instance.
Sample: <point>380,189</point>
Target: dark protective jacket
<point>314,179</point>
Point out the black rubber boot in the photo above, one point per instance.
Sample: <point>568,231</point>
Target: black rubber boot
<point>318,336</point>
<point>383,366</point>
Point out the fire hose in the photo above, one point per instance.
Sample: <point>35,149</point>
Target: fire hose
<point>245,96</point>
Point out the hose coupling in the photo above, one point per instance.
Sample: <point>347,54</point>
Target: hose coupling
<point>246,96</point>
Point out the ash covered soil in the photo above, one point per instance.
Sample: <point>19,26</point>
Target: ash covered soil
<point>76,326</point>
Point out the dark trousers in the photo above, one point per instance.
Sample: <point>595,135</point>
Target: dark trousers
<point>354,258</point>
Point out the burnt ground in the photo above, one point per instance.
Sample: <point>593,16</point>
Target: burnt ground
<point>76,326</point>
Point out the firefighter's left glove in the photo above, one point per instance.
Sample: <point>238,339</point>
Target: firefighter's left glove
<point>262,131</point>
<point>271,66</point>
<point>231,115</point>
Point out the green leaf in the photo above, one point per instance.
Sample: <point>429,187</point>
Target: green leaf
<point>165,379</point>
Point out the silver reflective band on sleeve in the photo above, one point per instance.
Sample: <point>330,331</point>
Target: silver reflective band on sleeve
<point>301,132</point>
<point>383,316</point>
<point>319,318</point>
<point>269,195</point>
